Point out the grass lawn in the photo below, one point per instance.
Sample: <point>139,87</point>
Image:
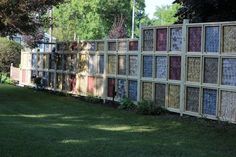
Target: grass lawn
<point>41,124</point>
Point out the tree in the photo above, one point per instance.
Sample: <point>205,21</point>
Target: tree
<point>23,16</point>
<point>206,10</point>
<point>92,19</point>
<point>164,15</point>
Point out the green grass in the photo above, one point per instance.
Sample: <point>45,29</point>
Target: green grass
<point>41,124</point>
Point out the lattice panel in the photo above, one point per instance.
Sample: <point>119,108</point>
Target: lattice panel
<point>83,62</point>
<point>147,66</point>
<point>111,46</point>
<point>229,39</point>
<point>65,82</point>
<point>132,90</point>
<point>161,41</point>
<point>174,96</point>
<point>101,64</point>
<point>100,46</point>
<point>52,61</point>
<point>160,94</point>
<point>111,87</point>
<point>112,64</point>
<point>194,39</point>
<point>228,106</point>
<point>176,39</point>
<point>73,65</point>
<point>122,46</point>
<point>161,67</point>
<point>147,91</point>
<point>194,68</point>
<point>212,37</point>
<point>229,72</point>
<point>40,61</point>
<point>59,62</point>
<point>192,99</point>
<point>210,70</point>
<point>67,62</point>
<point>91,85</point>
<point>92,64</point>
<point>209,102</point>
<point>99,86</point>
<point>148,40</point>
<point>133,45</point>
<point>175,68</point>
<point>122,65</point>
<point>121,88</point>
<point>133,65</point>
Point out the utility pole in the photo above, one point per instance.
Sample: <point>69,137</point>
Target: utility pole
<point>133,19</point>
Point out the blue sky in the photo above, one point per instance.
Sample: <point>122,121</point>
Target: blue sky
<point>151,5</point>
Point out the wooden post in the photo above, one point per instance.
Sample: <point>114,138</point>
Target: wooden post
<point>183,63</point>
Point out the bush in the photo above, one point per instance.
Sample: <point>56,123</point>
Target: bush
<point>146,107</point>
<point>4,78</point>
<point>9,53</point>
<point>93,99</point>
<point>127,104</point>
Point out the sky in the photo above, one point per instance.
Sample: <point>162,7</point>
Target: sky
<point>151,5</point>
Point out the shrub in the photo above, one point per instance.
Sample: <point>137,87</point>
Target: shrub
<point>9,53</point>
<point>127,104</point>
<point>93,99</point>
<point>4,78</point>
<point>146,107</point>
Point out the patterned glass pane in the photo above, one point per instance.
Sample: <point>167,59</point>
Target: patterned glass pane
<point>133,46</point>
<point>175,68</point>
<point>147,91</point>
<point>176,39</point>
<point>161,39</point>
<point>229,39</point>
<point>148,40</point>
<point>52,63</point>
<point>101,64</point>
<point>100,46</point>
<point>211,70</point>
<point>111,46</point>
<point>111,87</point>
<point>99,86</point>
<point>228,106</point>
<point>132,90</point>
<point>133,65</point>
<point>192,99</point>
<point>121,88</point>
<point>194,39</point>
<point>34,61</point>
<point>174,96</point>
<point>194,68</point>
<point>209,101</point>
<point>160,94</point>
<point>40,61</point>
<point>51,79</point>
<point>59,81</point>
<point>59,62</point>
<point>212,39</point>
<point>91,85</point>
<point>112,64</point>
<point>147,66</point>
<point>92,46</point>
<point>229,72</point>
<point>45,79</point>
<point>122,65</point>
<point>72,81</point>
<point>83,62</point>
<point>65,82</point>
<point>122,46</point>
<point>92,64</point>
<point>161,67</point>
<point>83,85</point>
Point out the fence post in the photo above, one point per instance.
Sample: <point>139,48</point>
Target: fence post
<point>183,63</point>
<point>11,70</point>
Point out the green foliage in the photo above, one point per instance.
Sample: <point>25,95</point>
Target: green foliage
<point>92,19</point>
<point>5,79</point>
<point>23,16</point>
<point>9,53</point>
<point>127,104</point>
<point>146,107</point>
<point>93,99</point>
<point>206,10</point>
<point>164,15</point>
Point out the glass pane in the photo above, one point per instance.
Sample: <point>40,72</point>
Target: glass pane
<point>194,39</point>
<point>176,39</point>
<point>211,70</point>
<point>194,67</point>
<point>192,99</point>
<point>175,68</point>
<point>161,41</point>
<point>212,39</point>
